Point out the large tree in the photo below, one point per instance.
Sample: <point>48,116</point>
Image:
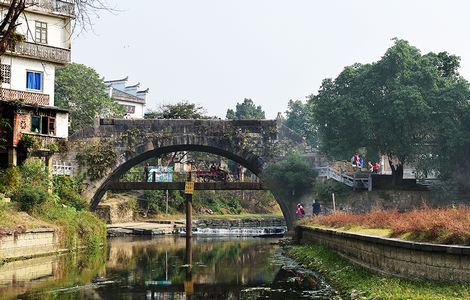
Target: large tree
<point>407,106</point>
<point>299,118</point>
<point>246,110</point>
<point>180,110</point>
<point>82,91</point>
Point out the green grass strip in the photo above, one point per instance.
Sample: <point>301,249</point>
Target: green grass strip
<point>355,282</point>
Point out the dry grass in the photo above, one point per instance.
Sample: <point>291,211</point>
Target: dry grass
<point>12,221</point>
<point>444,226</point>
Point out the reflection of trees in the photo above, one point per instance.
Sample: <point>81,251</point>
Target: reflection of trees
<point>227,261</point>
<point>131,262</point>
<point>69,270</point>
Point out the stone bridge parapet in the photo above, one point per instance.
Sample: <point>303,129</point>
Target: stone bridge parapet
<point>251,143</point>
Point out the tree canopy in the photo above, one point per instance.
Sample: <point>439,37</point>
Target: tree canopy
<point>180,110</point>
<point>299,118</point>
<point>246,110</point>
<point>80,89</point>
<point>289,178</point>
<point>408,106</point>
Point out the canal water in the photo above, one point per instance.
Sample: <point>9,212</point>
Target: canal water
<point>156,268</point>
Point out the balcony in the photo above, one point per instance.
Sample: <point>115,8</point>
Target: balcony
<point>41,52</point>
<point>24,97</point>
<point>43,143</point>
<point>62,7</point>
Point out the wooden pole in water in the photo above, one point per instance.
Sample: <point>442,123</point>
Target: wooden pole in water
<point>189,215</point>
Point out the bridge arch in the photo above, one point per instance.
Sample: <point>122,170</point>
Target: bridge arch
<point>252,164</point>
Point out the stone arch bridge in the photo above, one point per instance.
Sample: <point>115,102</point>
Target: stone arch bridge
<point>251,143</point>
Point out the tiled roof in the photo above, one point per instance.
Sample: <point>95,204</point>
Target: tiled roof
<point>117,80</point>
<point>123,96</point>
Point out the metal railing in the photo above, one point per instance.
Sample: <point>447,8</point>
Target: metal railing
<point>141,176</point>
<point>42,52</point>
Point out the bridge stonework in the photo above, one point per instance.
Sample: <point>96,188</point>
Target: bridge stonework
<point>251,143</point>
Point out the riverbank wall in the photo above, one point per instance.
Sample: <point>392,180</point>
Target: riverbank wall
<point>33,242</point>
<point>394,257</point>
<point>364,201</point>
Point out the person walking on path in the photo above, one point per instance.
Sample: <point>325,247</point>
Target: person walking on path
<point>316,209</point>
<point>299,211</point>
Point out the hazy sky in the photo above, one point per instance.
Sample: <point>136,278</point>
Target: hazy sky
<point>217,52</point>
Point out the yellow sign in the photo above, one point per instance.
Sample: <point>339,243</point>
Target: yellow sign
<point>189,187</point>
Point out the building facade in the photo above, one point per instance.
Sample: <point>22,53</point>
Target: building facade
<point>129,96</point>
<point>28,72</point>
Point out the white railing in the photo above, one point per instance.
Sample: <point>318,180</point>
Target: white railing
<point>357,181</point>
<point>62,168</point>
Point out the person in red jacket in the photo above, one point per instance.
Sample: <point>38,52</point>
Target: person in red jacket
<point>376,167</point>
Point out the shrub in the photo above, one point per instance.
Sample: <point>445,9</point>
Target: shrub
<point>97,157</point>
<point>34,173</point>
<point>9,180</point>
<point>29,197</point>
<point>27,141</point>
<point>69,190</point>
<point>76,228</point>
<point>53,147</point>
<point>443,225</point>
<point>71,198</point>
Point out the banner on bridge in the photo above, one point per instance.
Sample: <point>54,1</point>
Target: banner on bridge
<point>160,174</point>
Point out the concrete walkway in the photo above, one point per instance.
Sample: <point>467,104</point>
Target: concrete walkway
<point>145,228</point>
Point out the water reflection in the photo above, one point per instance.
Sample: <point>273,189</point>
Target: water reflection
<point>161,268</point>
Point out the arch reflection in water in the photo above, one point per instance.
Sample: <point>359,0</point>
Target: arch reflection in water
<point>161,268</point>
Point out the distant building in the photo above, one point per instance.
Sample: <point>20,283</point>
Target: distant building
<point>129,96</point>
<point>27,80</point>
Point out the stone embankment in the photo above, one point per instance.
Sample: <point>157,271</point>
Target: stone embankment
<point>33,242</point>
<point>394,257</point>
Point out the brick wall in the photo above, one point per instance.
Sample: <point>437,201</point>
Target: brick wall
<point>22,123</point>
<point>395,257</point>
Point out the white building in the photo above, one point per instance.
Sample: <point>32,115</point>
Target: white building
<point>28,73</point>
<point>129,96</point>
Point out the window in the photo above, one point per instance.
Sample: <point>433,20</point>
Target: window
<point>43,125</point>
<point>5,73</point>
<point>36,124</point>
<point>130,109</point>
<point>41,32</point>
<point>34,80</point>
